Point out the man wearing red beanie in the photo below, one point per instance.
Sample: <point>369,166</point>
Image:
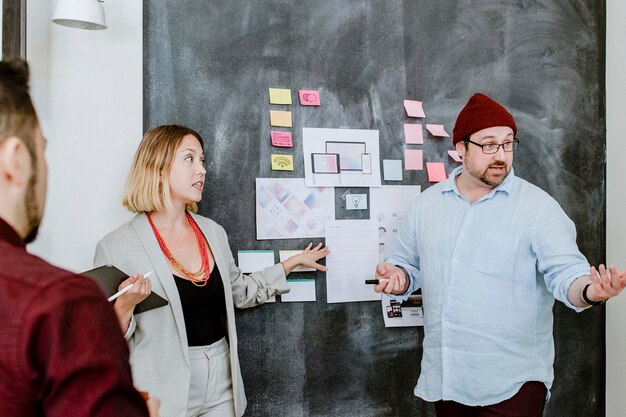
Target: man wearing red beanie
<point>491,252</point>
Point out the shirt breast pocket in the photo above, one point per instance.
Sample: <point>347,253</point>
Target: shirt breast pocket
<point>495,254</point>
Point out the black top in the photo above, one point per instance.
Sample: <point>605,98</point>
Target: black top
<point>204,309</point>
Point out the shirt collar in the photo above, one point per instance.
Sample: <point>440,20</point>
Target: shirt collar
<point>450,183</point>
<point>8,234</point>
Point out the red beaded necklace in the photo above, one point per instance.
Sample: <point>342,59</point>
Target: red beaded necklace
<point>199,278</point>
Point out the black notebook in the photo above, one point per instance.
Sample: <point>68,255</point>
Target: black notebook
<point>109,279</point>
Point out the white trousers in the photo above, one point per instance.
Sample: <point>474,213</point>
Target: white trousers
<point>211,390</point>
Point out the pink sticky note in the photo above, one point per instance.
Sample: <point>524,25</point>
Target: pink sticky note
<point>436,171</point>
<point>413,159</point>
<point>309,97</point>
<point>414,108</point>
<point>413,134</point>
<point>282,139</point>
<point>437,130</point>
<point>454,155</point>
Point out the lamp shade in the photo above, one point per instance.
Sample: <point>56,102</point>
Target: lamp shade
<point>80,14</point>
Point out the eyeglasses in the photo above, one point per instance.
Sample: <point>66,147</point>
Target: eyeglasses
<point>491,148</point>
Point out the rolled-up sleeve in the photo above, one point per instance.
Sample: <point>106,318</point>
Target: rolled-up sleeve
<point>558,256</point>
<point>406,253</point>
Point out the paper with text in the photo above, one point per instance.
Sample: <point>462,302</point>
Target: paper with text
<point>282,139</point>
<point>352,260</point>
<point>254,260</point>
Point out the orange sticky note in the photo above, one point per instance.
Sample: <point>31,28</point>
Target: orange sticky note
<point>413,159</point>
<point>436,171</point>
<point>280,118</point>
<point>414,108</point>
<point>437,130</point>
<point>413,134</point>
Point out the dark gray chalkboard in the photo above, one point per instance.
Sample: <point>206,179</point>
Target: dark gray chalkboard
<point>208,65</point>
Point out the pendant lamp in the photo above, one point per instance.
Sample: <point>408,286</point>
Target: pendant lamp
<point>80,14</point>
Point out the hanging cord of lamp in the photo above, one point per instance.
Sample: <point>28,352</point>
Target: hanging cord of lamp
<point>80,14</point>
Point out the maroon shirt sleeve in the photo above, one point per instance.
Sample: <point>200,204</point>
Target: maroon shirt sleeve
<point>77,357</point>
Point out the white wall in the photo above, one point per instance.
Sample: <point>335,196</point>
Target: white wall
<point>87,87</point>
<point>1,8</point>
<point>616,203</point>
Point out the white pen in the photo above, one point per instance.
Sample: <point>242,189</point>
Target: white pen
<point>128,287</point>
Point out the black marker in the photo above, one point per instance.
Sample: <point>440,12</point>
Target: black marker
<point>375,281</point>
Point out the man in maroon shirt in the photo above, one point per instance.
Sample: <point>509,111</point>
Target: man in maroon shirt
<point>61,349</point>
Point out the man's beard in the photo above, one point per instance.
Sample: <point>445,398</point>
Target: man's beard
<point>33,211</point>
<point>491,180</point>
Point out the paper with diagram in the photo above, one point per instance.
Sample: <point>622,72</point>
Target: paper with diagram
<point>403,313</point>
<point>341,157</point>
<point>389,205</point>
<point>287,209</point>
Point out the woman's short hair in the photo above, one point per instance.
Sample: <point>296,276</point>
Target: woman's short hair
<point>147,186</point>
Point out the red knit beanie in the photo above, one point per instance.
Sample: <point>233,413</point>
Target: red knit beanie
<point>479,113</point>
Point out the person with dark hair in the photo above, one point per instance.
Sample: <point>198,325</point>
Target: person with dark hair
<point>62,353</point>
<point>491,252</point>
<point>185,352</point>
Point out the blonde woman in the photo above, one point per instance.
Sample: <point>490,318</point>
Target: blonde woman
<point>186,352</point>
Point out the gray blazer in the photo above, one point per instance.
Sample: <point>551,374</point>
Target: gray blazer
<point>157,338</point>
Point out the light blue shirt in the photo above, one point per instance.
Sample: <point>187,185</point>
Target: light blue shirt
<point>489,274</point>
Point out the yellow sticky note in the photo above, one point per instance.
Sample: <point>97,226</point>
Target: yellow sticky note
<point>282,162</point>
<point>280,118</point>
<point>280,96</point>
